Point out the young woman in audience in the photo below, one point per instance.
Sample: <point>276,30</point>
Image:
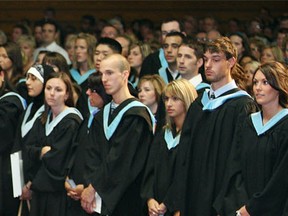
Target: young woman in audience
<point>150,89</point>
<point>137,53</point>
<point>58,123</point>
<point>83,66</point>
<point>27,44</point>
<point>177,96</point>
<point>59,63</point>
<point>250,69</point>
<point>98,99</point>
<point>262,143</point>
<point>35,81</point>
<point>240,41</point>
<point>272,53</point>
<point>11,62</point>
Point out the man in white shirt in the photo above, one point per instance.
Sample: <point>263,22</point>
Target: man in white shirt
<point>190,61</point>
<point>50,32</point>
<point>171,45</point>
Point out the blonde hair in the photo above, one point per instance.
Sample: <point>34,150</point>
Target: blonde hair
<point>183,90</point>
<point>145,48</point>
<point>91,44</point>
<point>157,82</point>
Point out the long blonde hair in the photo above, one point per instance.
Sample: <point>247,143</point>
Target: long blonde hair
<point>183,90</point>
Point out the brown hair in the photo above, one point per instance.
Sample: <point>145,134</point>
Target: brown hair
<point>277,77</point>
<point>69,89</point>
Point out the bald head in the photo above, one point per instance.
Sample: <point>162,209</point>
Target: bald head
<point>115,72</point>
<point>119,61</point>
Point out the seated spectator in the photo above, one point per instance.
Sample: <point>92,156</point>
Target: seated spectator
<point>137,53</point>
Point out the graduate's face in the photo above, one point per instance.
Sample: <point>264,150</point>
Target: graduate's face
<point>34,85</point>
<point>94,98</point>
<point>5,61</point>
<point>55,93</point>
<point>171,46</point>
<point>49,33</point>
<point>267,56</point>
<point>264,94</point>
<point>175,107</point>
<point>147,94</point>
<point>237,42</point>
<point>81,50</point>
<point>217,68</point>
<point>101,51</point>
<point>135,57</point>
<point>113,79</point>
<point>27,49</point>
<point>187,62</point>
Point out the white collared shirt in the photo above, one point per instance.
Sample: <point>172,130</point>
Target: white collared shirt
<point>196,80</point>
<point>229,86</point>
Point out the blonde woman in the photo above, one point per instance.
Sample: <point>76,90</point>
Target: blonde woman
<point>137,53</point>
<point>177,95</point>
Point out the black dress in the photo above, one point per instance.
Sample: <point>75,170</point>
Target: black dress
<point>77,164</point>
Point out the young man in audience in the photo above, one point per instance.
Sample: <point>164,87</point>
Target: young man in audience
<point>207,135</point>
<point>171,45</point>
<point>190,61</point>
<point>117,158</point>
<point>156,60</point>
<point>50,32</point>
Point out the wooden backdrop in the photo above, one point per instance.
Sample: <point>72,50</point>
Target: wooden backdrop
<point>70,12</point>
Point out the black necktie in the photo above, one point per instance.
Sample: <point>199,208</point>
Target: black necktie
<point>212,95</point>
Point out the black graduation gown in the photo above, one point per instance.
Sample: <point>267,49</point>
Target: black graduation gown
<point>49,194</point>
<point>204,147</point>
<point>160,170</point>
<point>82,102</point>
<point>115,167</point>
<point>77,165</point>
<point>150,65</point>
<point>10,110</point>
<point>263,167</point>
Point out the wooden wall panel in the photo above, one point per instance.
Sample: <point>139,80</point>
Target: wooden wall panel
<point>71,11</point>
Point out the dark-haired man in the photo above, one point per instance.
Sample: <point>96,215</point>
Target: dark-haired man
<point>171,45</point>
<point>153,62</point>
<point>50,32</point>
<point>207,135</point>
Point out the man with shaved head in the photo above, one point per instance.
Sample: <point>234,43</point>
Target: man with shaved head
<point>123,133</point>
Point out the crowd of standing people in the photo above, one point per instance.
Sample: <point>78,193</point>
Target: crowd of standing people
<point>117,120</point>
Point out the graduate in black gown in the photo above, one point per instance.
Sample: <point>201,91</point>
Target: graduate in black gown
<point>150,88</point>
<point>58,123</point>
<point>207,134</point>
<point>35,79</point>
<point>12,106</point>
<point>178,95</point>
<point>116,160</point>
<point>263,143</point>
<point>98,99</point>
<point>104,47</point>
